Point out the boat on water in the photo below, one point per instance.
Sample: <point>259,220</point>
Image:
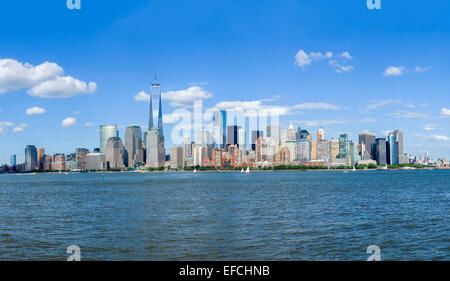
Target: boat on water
<point>242,170</point>
<point>354,169</point>
<point>248,170</point>
<point>195,170</point>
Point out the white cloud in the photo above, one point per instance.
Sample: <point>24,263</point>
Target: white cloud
<point>340,68</point>
<point>434,137</point>
<point>346,55</point>
<point>317,123</point>
<point>419,69</point>
<point>20,128</point>
<point>394,71</point>
<point>35,110</point>
<point>4,126</point>
<point>407,114</point>
<point>62,87</point>
<point>15,75</point>
<point>430,127</point>
<point>445,111</point>
<point>69,122</point>
<point>186,97</point>
<point>142,96</point>
<point>180,97</point>
<point>173,118</point>
<point>302,59</point>
<point>316,105</point>
<point>374,104</point>
<point>45,80</point>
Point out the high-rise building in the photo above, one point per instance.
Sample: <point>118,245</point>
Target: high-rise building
<point>366,140</point>
<point>59,162</point>
<point>242,139</point>
<point>380,151</point>
<point>31,161</point>
<point>291,133</point>
<point>334,149</point>
<point>133,145</point>
<point>13,160</point>
<point>343,146</point>
<point>324,150</point>
<point>354,153</point>
<point>232,135</point>
<point>203,138</point>
<point>255,135</point>
<point>107,132</point>
<point>303,149</point>
<point>96,161</point>
<point>187,147</point>
<point>273,132</point>
<point>114,153</point>
<point>176,158</point>
<point>392,152</point>
<point>41,153</point>
<point>156,153</point>
<point>320,134</point>
<point>219,120</point>
<point>80,156</point>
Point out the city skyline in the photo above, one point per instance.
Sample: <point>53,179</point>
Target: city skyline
<point>266,57</point>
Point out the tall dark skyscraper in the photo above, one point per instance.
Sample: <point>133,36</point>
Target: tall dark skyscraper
<point>31,161</point>
<point>255,135</point>
<point>233,135</point>
<point>381,151</point>
<point>366,139</point>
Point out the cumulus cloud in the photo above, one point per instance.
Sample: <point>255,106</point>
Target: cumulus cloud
<point>346,55</point>
<point>35,110</point>
<point>179,98</point>
<point>394,71</point>
<point>44,80</point>
<point>69,122</point>
<point>63,87</point>
<point>303,59</point>
<point>445,111</point>
<point>430,127</point>
<point>340,68</point>
<point>374,104</point>
<point>20,128</point>
<point>434,137</point>
<point>4,126</point>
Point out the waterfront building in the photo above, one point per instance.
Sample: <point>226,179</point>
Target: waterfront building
<point>48,162</point>
<point>392,153</point>
<point>260,149</point>
<point>13,160</point>
<point>41,153</point>
<point>107,132</point>
<point>200,152</point>
<point>96,161</point>
<point>73,164</point>
<point>80,156</point>
<point>232,135</point>
<point>313,149</point>
<point>334,150</point>
<point>31,161</point>
<point>380,151</point>
<point>284,155</point>
<point>303,149</point>
<point>156,153</point>
<point>59,162</point>
<point>366,140</point>
<point>292,146</point>
<point>324,150</point>
<point>219,120</point>
<point>242,139</point>
<point>133,145</point>
<point>354,153</point>
<point>176,158</point>
<point>187,147</point>
<point>114,153</point>
<point>343,146</point>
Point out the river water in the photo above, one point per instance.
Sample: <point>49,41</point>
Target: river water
<point>319,215</point>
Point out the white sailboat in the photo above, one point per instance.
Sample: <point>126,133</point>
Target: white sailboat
<point>248,170</point>
<point>195,170</point>
<point>354,169</point>
<point>242,170</point>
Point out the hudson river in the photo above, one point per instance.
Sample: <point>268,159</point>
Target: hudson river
<point>321,215</point>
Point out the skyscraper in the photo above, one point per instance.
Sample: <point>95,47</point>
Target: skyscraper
<point>13,160</point>
<point>242,139</point>
<point>133,145</point>
<point>380,151</point>
<point>114,153</point>
<point>187,147</point>
<point>41,153</point>
<point>106,132</point>
<point>232,135</point>
<point>156,153</point>
<point>392,152</point>
<point>320,134</point>
<point>176,158</point>
<point>31,161</point>
<point>273,132</point>
<point>81,157</point>
<point>255,135</point>
<point>343,146</point>
<point>366,139</point>
<point>219,128</point>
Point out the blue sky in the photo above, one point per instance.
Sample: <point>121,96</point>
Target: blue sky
<point>388,69</point>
